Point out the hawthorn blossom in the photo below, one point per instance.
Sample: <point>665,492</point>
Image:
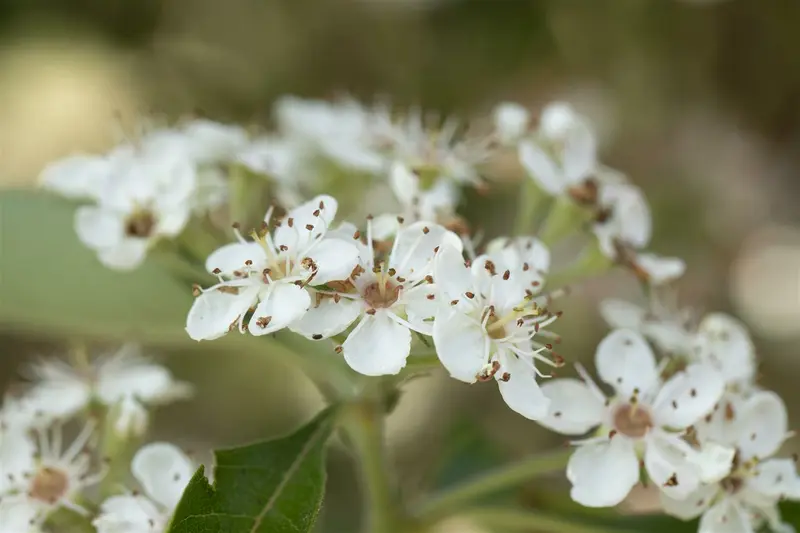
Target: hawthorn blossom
<point>40,479</point>
<point>510,122</point>
<point>124,381</point>
<point>16,516</point>
<point>163,472</point>
<point>562,157</point>
<point>667,328</point>
<point>724,343</point>
<point>485,327</point>
<point>643,421</point>
<point>265,281</point>
<point>389,298</point>
<point>747,497</point>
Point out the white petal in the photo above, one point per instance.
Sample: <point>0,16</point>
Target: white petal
<point>335,260</point>
<point>603,473</point>
<point>557,119</point>
<point>98,228</point>
<point>661,270</point>
<point>384,227</point>
<point>17,456</point>
<point>297,236</point>
<point>378,346</point>
<point>688,396</point>
<point>630,219</point>
<point>285,304</point>
<point>128,514</point>
<point>129,418</point>
<point>724,342</point>
<point>776,478</point>
<point>143,380</point>
<point>762,425</point>
<point>541,168</point>
<point>171,223</point>
<point>415,247</point>
<point>693,506</point>
<point>510,121</point>
<point>668,467</point>
<point>513,253</point>
<point>328,318</point>
<point>574,408</point>
<point>127,254</point>
<point>18,515</point>
<point>622,314</point>
<point>163,470</point>
<point>725,517</point>
<point>713,461</point>
<point>579,154</point>
<point>453,278</point>
<point>521,392</point>
<point>232,257</point>
<point>79,176</point>
<point>672,337</point>
<point>460,344</point>
<point>214,311</point>
<point>212,141</point>
<point>419,309</point>
<point>59,398</point>
<point>405,185</point>
<point>625,361</point>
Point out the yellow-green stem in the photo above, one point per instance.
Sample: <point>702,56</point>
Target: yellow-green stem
<point>502,519</point>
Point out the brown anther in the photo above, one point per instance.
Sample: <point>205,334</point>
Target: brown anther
<point>489,266</point>
<point>469,295</point>
<point>557,414</point>
<point>505,377</point>
<point>506,275</point>
<point>316,213</point>
<point>729,413</point>
<point>429,278</point>
<point>436,250</point>
<point>401,219</point>
<point>391,272</point>
<point>672,481</point>
<point>430,296</point>
<point>228,290</point>
<point>196,290</point>
<point>338,349</point>
<point>486,375</point>
<point>216,271</point>
<point>558,360</point>
<point>336,298</point>
<point>426,230</point>
<point>674,404</point>
<point>321,204</point>
<point>401,279</point>
<point>248,262</point>
<point>236,225</point>
<point>309,227</point>
<point>612,433</point>
<point>283,247</point>
<point>263,321</point>
<point>453,302</point>
<point>693,393</point>
<point>370,311</point>
<point>357,235</point>
<point>525,267</point>
<point>370,217</point>
<point>536,283</point>
<point>290,222</point>
<point>316,336</point>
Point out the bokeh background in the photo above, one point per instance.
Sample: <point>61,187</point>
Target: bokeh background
<point>697,101</point>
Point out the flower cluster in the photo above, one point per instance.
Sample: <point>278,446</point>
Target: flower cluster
<point>108,399</point>
<point>682,411</point>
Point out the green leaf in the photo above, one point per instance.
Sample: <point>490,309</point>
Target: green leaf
<point>274,486</point>
<point>52,285</point>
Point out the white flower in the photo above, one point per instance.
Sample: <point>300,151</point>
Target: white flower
<point>627,220</point>
<point>645,418</point>
<point>18,516</point>
<point>124,380</point>
<point>564,155</point>
<point>147,199</point>
<point>485,325</point>
<point>748,496</point>
<point>667,328</point>
<point>510,122</point>
<point>78,176</point>
<point>163,471</point>
<point>391,298</point>
<point>723,342</point>
<point>51,478</point>
<point>270,274</point>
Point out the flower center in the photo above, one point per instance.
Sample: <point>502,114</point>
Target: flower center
<point>382,294</point>
<point>632,420</point>
<point>732,484</point>
<point>496,327</point>
<point>140,224</point>
<point>49,485</point>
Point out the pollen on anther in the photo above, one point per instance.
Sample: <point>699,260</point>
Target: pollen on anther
<point>290,222</point>
<point>316,213</point>
<point>453,302</point>
<point>216,271</point>
<point>309,227</point>
<point>400,219</point>
<point>469,295</point>
<point>429,278</point>
<point>357,235</point>
<point>506,275</point>
<point>370,311</point>
<point>248,262</point>
<point>426,230</point>
<point>283,247</point>
<point>525,267</point>
<point>338,349</point>
<point>612,433</point>
<point>430,296</point>
<point>693,393</point>
<point>321,204</point>
<point>316,336</point>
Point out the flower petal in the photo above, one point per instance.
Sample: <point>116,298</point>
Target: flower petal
<point>415,247</point>
<point>163,470</point>
<point>688,396</point>
<point>630,220</point>
<point>296,236</point>
<point>405,185</point>
<point>622,314</point>
<point>625,361</point>
<point>541,168</point>
<point>726,516</point>
<point>17,457</point>
<point>521,391</point>
<point>661,270</point>
<point>510,122</point>
<point>59,399</point>
<point>724,342</point>
<point>19,515</point>
<point>574,408</point>
<point>668,467</point>
<point>127,254</point>
<point>420,309</point>
<point>285,304</point>
<point>776,478</point>
<point>335,259</point>
<point>98,228</point>
<point>214,311</point>
<point>232,257</point>
<point>328,318</point>
<point>693,506</point>
<point>603,473</point>
<point>453,278</point>
<point>378,346</point>
<point>128,514</point>
<point>80,176</point>
<point>579,156</point>
<point>128,374</point>
<point>761,425</point>
<point>713,461</point>
<point>461,344</point>
<point>515,253</point>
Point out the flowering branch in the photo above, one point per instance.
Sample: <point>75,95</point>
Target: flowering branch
<point>511,475</point>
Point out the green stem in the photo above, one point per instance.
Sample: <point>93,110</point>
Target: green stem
<point>531,198</point>
<point>514,474</point>
<point>528,520</point>
<point>363,425</point>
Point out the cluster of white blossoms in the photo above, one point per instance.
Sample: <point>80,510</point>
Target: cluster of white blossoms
<point>683,411</point>
<point>107,400</point>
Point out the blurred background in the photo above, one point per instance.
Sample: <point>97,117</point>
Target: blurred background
<point>697,101</point>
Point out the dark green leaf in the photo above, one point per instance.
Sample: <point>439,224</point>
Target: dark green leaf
<point>274,486</point>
